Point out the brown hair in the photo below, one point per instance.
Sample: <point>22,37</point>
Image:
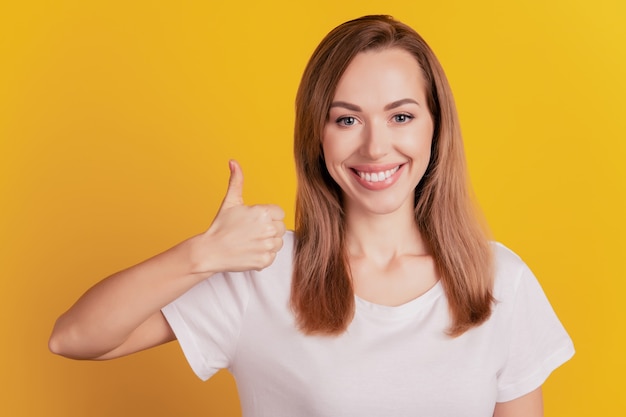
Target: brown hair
<point>322,296</point>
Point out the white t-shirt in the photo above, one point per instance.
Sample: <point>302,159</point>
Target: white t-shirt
<point>392,361</point>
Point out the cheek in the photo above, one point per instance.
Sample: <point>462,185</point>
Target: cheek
<point>417,144</point>
<point>330,162</point>
<point>425,139</point>
<point>331,148</point>
<point>332,158</point>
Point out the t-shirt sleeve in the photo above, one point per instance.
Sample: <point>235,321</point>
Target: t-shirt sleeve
<point>207,320</point>
<point>538,343</point>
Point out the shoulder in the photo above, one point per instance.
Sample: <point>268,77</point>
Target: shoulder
<point>234,290</point>
<point>505,258</point>
<point>509,270</point>
<point>524,321</point>
<point>274,280</point>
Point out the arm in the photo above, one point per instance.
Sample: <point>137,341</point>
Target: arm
<point>121,314</point>
<point>529,405</point>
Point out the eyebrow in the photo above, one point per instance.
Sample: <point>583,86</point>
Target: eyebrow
<point>399,103</point>
<point>345,105</point>
<point>392,105</point>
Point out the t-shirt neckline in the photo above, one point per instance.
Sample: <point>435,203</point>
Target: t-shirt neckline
<point>396,312</point>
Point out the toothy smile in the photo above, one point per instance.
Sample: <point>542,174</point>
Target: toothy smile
<point>377,176</point>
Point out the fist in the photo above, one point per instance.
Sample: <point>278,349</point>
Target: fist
<point>241,237</point>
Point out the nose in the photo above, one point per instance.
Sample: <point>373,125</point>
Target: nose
<point>376,141</point>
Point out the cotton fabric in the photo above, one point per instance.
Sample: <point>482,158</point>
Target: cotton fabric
<point>392,361</point>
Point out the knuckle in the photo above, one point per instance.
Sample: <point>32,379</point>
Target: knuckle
<point>270,230</point>
<point>265,214</point>
<point>278,213</point>
<point>268,245</point>
<point>257,209</point>
<point>264,260</point>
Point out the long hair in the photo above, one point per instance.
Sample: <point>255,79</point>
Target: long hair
<point>322,296</point>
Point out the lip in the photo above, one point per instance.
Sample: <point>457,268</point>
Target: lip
<point>379,185</point>
<point>376,167</point>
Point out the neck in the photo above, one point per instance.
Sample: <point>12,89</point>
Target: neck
<point>383,237</point>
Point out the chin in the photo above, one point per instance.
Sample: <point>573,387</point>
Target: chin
<point>383,207</point>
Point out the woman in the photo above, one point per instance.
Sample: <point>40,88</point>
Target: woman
<point>387,300</point>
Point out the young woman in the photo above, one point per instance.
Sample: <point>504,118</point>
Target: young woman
<point>387,300</point>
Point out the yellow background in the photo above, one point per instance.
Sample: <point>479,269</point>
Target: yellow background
<point>117,120</point>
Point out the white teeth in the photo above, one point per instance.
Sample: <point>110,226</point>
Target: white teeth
<point>378,176</point>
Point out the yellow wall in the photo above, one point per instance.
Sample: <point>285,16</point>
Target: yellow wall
<point>117,120</point>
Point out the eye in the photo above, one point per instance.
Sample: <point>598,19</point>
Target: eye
<point>346,121</point>
<point>402,118</point>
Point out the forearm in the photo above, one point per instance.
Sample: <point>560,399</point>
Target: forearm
<point>107,314</point>
<point>120,315</point>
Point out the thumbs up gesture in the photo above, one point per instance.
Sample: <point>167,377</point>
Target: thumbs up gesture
<point>241,237</point>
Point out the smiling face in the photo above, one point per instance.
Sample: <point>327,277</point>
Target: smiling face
<point>378,135</point>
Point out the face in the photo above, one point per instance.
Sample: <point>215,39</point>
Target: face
<point>379,131</point>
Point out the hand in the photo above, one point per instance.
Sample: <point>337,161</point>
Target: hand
<point>241,237</point>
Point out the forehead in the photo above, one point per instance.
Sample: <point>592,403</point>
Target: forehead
<point>381,74</point>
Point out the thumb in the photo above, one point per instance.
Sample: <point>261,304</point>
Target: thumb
<point>235,186</point>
